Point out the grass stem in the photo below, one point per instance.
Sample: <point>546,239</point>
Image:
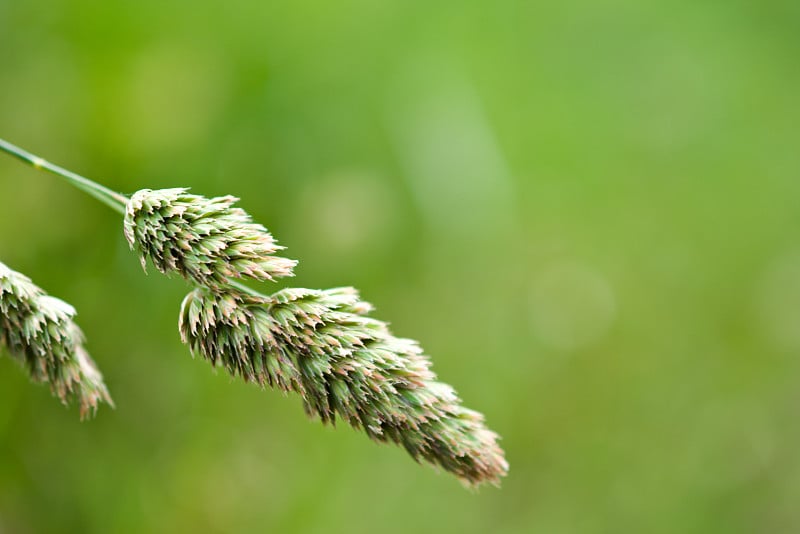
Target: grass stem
<point>112,199</point>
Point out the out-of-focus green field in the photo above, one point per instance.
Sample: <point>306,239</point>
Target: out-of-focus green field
<point>588,213</point>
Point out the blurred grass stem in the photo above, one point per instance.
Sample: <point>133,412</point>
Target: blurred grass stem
<point>112,199</point>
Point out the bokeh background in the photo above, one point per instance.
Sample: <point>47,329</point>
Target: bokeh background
<point>588,213</point>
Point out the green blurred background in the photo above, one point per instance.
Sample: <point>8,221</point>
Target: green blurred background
<point>586,211</point>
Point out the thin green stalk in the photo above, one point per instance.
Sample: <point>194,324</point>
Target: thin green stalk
<point>247,290</point>
<point>112,199</point>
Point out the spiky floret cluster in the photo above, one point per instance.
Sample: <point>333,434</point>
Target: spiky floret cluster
<point>206,240</point>
<point>319,344</point>
<point>38,330</point>
<point>343,364</point>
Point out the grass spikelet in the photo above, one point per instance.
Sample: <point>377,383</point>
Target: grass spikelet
<point>39,332</point>
<point>345,365</point>
<point>206,240</point>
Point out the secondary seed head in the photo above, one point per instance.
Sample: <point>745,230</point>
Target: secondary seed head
<point>320,345</point>
<point>206,240</point>
<point>38,331</point>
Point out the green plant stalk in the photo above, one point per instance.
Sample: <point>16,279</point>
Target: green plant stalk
<point>112,199</point>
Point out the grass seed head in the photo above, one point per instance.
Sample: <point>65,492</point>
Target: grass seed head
<point>207,240</point>
<point>345,365</point>
<point>39,332</point>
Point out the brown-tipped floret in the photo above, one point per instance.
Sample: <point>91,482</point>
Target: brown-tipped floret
<point>207,240</point>
<point>38,331</point>
<point>320,345</point>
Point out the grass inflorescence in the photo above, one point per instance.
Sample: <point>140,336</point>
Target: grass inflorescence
<point>320,344</point>
<point>39,332</point>
<point>343,364</point>
<point>206,240</point>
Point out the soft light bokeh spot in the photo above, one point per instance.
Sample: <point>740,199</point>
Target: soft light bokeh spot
<point>777,302</point>
<point>171,95</point>
<point>572,306</point>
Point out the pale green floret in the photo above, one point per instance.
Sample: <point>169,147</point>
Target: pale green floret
<point>38,331</point>
<point>320,345</point>
<point>206,240</point>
